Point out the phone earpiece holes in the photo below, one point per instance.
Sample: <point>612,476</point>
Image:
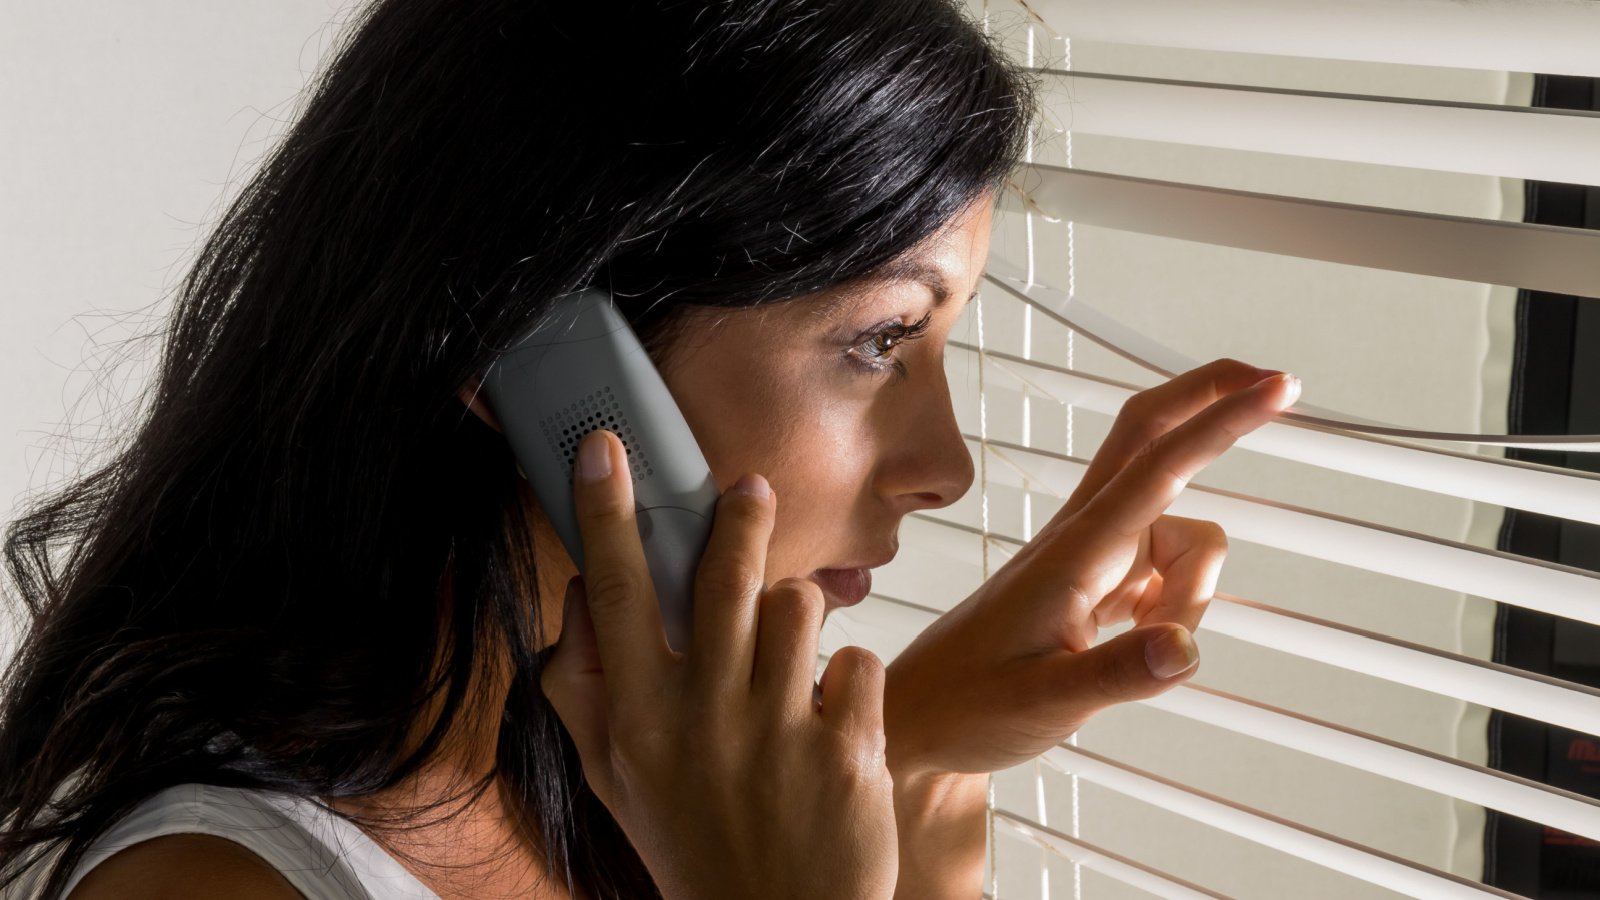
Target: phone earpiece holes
<point>597,409</point>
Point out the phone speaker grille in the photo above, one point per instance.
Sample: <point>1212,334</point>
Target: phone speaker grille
<point>597,409</point>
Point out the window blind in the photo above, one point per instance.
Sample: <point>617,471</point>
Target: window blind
<point>1333,190</point>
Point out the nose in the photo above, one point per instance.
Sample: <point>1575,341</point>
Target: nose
<point>927,464</point>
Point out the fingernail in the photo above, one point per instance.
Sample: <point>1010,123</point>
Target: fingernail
<point>1172,653</point>
<point>1264,374</point>
<point>1293,393</point>
<point>752,484</point>
<point>1289,383</point>
<point>594,457</point>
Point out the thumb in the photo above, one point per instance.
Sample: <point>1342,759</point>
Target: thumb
<point>1139,663</point>
<point>575,684</point>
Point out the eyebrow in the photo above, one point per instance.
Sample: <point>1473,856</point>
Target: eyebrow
<point>922,272</point>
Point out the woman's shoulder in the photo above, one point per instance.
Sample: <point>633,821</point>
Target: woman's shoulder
<point>183,866</point>
<point>206,840</point>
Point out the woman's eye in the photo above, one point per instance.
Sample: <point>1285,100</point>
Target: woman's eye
<point>880,344</point>
<point>876,348</point>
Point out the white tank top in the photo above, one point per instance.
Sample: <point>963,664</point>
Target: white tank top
<point>321,854</point>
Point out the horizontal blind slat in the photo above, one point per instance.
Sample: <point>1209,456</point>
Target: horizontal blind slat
<point>1497,575</point>
<point>1366,863</point>
<point>1480,139</point>
<point>1477,681</point>
<point>1555,37</point>
<point>1473,783</point>
<point>1564,493</point>
<point>1130,344</point>
<point>1447,674</point>
<point>1540,257</point>
<point>1090,856</point>
<point>1467,781</point>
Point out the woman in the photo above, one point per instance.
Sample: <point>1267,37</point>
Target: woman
<point>308,633</point>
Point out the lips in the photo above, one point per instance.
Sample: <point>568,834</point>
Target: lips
<point>844,587</point>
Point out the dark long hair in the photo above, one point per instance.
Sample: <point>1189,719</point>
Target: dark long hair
<point>258,587</point>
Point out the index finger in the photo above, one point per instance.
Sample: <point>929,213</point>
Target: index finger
<point>1143,490</point>
<point>1152,413</point>
<point>621,596</point>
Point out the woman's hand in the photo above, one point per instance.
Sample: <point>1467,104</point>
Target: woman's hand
<point>718,764</point>
<point>1013,669</point>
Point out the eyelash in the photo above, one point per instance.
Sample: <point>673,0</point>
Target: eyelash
<point>895,332</point>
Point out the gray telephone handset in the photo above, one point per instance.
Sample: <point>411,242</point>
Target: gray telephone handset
<point>583,368</point>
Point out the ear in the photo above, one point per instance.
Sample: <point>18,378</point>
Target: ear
<point>471,395</point>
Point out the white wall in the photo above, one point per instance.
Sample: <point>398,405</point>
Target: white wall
<point>126,126</point>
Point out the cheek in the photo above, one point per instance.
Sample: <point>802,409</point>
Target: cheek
<point>790,426</point>
<point>820,473</point>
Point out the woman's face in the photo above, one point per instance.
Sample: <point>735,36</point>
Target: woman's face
<point>810,394</point>
<point>804,394</point>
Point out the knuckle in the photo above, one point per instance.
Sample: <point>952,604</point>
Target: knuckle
<point>1113,680</point>
<point>1220,373</point>
<point>1231,428</point>
<point>797,599</point>
<point>857,666</point>
<point>855,749</point>
<point>859,758</point>
<point>803,587</point>
<point>1144,417</point>
<point>1226,365</point>
<point>1204,535</point>
<point>727,576</point>
<point>1155,457</point>
<point>1152,447</point>
<point>1062,530</point>
<point>1137,407</point>
<point>613,585</point>
<point>862,660</point>
<point>1080,604</point>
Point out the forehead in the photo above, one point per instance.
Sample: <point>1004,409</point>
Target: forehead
<point>945,263</point>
